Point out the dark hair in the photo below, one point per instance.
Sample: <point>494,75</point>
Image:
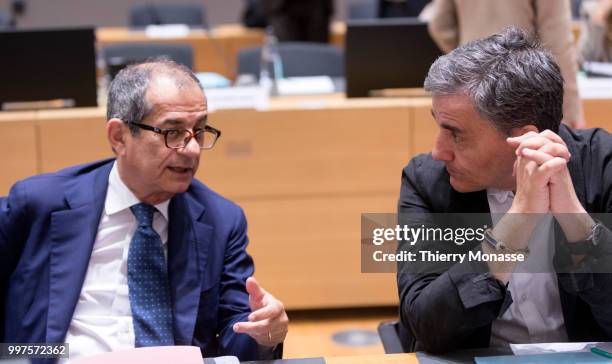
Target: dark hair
<point>127,92</point>
<point>509,77</point>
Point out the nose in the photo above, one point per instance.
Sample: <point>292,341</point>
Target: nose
<point>192,149</point>
<point>442,150</point>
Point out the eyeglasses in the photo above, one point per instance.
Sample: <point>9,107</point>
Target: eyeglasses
<point>179,138</point>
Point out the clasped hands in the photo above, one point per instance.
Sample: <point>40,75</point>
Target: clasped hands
<point>543,181</point>
<point>268,322</point>
<point>544,184</point>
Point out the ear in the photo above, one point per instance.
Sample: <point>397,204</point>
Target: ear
<point>523,130</point>
<point>116,132</point>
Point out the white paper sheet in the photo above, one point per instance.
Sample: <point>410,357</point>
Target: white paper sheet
<point>244,97</point>
<point>305,85</point>
<point>595,87</point>
<point>167,31</point>
<point>543,348</point>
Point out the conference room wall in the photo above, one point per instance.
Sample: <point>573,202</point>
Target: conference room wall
<point>45,13</point>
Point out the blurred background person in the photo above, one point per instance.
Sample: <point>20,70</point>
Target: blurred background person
<point>596,35</point>
<point>401,8</point>
<point>8,19</point>
<point>299,20</point>
<point>456,22</point>
<point>253,15</point>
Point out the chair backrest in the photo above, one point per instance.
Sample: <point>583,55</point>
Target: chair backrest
<point>146,14</point>
<point>389,336</point>
<point>118,56</point>
<point>299,59</point>
<point>362,9</point>
<point>394,338</point>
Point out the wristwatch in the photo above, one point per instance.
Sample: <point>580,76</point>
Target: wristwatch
<point>501,247</point>
<point>591,242</point>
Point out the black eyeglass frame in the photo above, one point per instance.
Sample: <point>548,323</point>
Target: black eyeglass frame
<point>192,134</point>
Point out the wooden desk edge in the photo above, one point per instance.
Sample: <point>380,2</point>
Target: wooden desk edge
<point>407,358</point>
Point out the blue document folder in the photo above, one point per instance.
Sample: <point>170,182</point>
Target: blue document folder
<point>556,358</point>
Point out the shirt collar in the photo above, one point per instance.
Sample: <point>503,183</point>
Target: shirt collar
<point>119,197</point>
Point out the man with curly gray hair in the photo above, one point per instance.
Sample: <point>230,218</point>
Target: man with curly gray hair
<point>502,150</point>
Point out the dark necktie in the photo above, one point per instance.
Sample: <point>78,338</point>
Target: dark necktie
<point>148,283</point>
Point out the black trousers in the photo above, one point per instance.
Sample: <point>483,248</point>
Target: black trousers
<point>407,8</point>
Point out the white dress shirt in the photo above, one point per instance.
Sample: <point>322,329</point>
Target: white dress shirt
<point>535,314</point>
<point>102,319</point>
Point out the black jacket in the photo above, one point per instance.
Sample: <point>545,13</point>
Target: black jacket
<point>454,310</point>
<point>297,7</point>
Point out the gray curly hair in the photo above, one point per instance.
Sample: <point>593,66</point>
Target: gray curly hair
<point>511,80</point>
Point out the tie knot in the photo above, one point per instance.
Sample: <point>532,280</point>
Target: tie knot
<point>143,213</point>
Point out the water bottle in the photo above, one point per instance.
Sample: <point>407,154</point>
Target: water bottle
<point>271,66</point>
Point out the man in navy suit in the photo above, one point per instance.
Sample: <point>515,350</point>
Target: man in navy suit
<point>133,251</point>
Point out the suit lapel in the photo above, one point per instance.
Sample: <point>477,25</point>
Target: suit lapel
<point>188,242</point>
<point>72,235</point>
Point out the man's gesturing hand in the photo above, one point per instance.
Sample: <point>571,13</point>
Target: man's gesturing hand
<point>268,323</point>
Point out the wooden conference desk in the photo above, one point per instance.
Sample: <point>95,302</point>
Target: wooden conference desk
<point>303,171</point>
<point>409,358</point>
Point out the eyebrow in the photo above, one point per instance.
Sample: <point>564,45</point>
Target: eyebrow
<point>179,123</point>
<point>446,126</point>
<point>454,129</point>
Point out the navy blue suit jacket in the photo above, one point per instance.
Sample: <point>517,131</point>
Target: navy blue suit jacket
<point>48,225</point>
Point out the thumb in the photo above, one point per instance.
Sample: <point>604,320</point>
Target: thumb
<point>256,293</point>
